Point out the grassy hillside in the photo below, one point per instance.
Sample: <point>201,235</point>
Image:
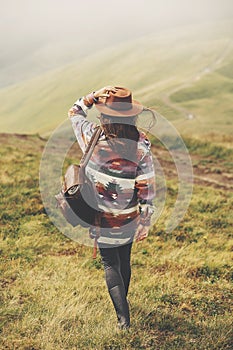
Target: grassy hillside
<point>25,60</point>
<point>209,99</point>
<point>53,295</point>
<point>153,67</point>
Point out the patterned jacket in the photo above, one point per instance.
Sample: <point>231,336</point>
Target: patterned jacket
<point>124,188</point>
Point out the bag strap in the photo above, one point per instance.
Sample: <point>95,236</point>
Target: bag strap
<point>83,163</point>
<point>90,148</point>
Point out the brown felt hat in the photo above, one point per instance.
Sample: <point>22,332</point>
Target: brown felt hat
<point>119,104</point>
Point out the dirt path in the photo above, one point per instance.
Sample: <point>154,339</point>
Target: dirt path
<point>207,171</point>
<point>165,97</point>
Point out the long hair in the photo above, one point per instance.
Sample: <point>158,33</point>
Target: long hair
<point>121,134</point>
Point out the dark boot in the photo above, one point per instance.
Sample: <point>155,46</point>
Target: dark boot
<point>120,303</point>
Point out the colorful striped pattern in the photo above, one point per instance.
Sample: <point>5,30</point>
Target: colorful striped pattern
<point>124,188</point>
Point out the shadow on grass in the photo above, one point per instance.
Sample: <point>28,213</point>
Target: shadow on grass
<point>170,329</point>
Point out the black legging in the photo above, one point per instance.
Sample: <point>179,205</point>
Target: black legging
<point>117,267</point>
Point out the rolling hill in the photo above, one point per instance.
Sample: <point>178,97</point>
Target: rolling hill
<point>182,72</point>
<point>53,294</point>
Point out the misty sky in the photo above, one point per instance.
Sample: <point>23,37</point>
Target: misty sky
<point>98,20</point>
<point>88,26</point>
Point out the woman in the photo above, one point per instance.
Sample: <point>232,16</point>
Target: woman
<point>121,168</point>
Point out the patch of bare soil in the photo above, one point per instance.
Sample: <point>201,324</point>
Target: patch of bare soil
<point>207,171</point>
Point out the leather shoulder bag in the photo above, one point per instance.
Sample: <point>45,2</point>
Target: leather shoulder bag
<point>77,198</point>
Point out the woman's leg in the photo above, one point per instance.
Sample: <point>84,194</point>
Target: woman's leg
<point>125,267</point>
<point>115,284</point>
<point>111,262</point>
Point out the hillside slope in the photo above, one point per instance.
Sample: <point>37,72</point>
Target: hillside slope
<point>152,67</point>
<point>207,98</point>
<point>53,295</point>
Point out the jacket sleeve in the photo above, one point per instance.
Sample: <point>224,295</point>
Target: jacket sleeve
<point>145,185</point>
<point>83,128</point>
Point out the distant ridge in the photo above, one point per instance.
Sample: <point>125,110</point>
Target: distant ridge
<point>153,67</point>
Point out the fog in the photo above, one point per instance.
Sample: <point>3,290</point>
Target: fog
<point>70,29</point>
<point>101,20</point>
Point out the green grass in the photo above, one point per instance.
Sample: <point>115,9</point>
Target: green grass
<point>210,101</point>
<point>210,86</point>
<point>201,148</point>
<point>208,149</point>
<point>150,66</point>
<point>53,295</point>
<point>227,70</point>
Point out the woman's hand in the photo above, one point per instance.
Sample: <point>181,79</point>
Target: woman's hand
<point>104,92</point>
<point>142,232</point>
